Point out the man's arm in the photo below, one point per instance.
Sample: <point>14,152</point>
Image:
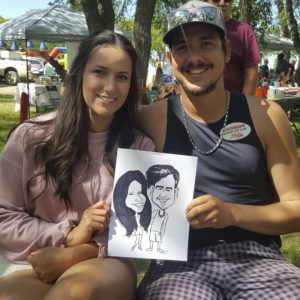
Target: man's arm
<point>250,80</point>
<point>282,217</point>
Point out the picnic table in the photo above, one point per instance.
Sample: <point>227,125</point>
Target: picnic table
<point>289,104</point>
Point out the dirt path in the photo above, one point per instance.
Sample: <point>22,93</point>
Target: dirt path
<point>7,89</point>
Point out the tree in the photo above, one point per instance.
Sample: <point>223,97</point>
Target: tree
<point>142,36</point>
<point>294,33</point>
<point>283,24</point>
<point>99,14</point>
<point>245,11</point>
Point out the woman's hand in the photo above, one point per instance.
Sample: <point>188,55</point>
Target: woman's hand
<point>51,262</point>
<point>94,219</point>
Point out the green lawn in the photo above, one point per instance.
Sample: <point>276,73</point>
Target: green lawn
<point>8,118</point>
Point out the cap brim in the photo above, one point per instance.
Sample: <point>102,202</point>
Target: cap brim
<point>167,38</point>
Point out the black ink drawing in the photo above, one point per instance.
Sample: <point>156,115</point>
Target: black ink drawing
<point>151,193</point>
<point>132,205</point>
<point>162,183</point>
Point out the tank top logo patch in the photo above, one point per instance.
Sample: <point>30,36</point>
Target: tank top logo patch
<point>235,131</point>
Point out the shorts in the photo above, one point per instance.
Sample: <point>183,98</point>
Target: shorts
<point>235,271</point>
<point>155,236</point>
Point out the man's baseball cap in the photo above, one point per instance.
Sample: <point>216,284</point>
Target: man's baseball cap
<point>194,12</point>
<point>166,79</point>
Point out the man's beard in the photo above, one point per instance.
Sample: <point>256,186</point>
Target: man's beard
<point>199,91</point>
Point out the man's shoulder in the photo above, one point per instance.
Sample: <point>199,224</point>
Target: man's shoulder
<point>153,110</point>
<point>237,26</point>
<point>152,119</point>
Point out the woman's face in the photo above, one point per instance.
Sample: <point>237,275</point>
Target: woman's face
<point>135,199</point>
<point>106,83</point>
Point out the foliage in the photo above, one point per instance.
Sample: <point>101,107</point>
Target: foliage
<point>2,20</point>
<point>8,117</point>
<point>290,248</point>
<point>75,4</point>
<point>261,15</point>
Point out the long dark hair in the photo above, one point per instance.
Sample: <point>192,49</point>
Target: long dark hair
<point>124,213</point>
<point>59,152</point>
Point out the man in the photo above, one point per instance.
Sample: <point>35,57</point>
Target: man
<point>247,189</point>
<point>162,182</point>
<point>241,72</point>
<point>168,87</point>
<point>264,70</point>
<point>292,64</point>
<point>282,65</point>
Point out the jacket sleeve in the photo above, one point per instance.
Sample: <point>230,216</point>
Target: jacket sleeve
<point>20,231</point>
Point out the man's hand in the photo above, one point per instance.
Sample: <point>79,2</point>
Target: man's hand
<point>208,211</point>
<point>94,219</point>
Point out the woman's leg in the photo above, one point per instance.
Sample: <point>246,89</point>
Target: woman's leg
<point>97,278</point>
<point>23,285</point>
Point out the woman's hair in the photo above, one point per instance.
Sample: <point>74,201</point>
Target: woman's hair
<point>283,78</point>
<point>124,213</point>
<point>68,143</point>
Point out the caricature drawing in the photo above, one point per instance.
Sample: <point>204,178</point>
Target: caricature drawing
<point>162,183</point>
<point>132,205</point>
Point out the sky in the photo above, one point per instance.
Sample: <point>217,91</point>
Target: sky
<point>14,8</point>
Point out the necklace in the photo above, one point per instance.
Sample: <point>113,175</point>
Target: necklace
<point>218,143</point>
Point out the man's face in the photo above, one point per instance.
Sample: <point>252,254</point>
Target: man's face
<point>164,193</point>
<point>225,5</point>
<point>197,59</point>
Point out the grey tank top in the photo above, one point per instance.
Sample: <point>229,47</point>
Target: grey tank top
<point>236,172</point>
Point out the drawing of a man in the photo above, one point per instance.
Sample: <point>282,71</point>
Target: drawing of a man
<point>162,183</point>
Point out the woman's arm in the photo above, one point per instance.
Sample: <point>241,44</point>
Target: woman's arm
<point>51,262</point>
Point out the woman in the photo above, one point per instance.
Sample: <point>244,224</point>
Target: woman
<point>283,79</point>
<point>132,205</point>
<point>56,179</point>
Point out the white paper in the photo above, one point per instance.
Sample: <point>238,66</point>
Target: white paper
<point>163,213</point>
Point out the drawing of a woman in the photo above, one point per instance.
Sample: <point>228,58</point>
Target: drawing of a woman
<point>132,205</point>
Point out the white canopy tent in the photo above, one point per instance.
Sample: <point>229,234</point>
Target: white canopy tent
<point>276,43</point>
<point>56,24</point>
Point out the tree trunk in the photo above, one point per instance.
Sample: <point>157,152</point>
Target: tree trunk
<point>295,34</point>
<point>283,24</point>
<point>245,11</point>
<point>142,36</point>
<point>99,14</point>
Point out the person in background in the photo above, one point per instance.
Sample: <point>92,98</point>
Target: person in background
<point>168,87</point>
<point>241,72</point>
<point>56,182</point>
<point>284,79</point>
<point>282,64</point>
<point>247,187</point>
<point>292,64</point>
<point>264,70</point>
<point>158,73</point>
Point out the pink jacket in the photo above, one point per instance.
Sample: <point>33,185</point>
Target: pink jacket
<point>27,225</point>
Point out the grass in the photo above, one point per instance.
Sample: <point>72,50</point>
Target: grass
<point>8,118</point>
